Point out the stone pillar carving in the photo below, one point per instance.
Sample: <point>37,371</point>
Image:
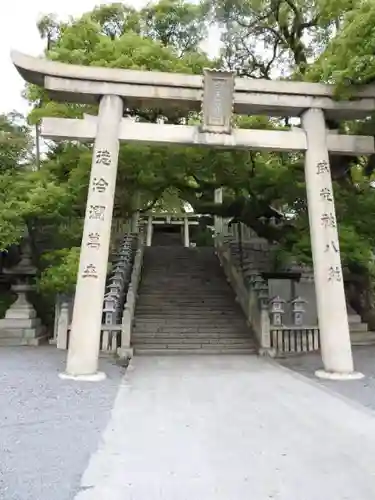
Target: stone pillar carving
<point>186,232</point>
<point>329,283</point>
<point>84,338</point>
<point>150,230</point>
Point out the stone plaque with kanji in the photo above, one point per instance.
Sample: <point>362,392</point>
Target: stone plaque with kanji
<point>217,108</point>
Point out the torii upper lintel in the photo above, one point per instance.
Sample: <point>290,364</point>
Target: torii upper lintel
<point>86,85</point>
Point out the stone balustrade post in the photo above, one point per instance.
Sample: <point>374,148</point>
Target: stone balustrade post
<point>218,221</point>
<point>150,230</point>
<point>265,324</point>
<point>186,232</point>
<point>63,325</point>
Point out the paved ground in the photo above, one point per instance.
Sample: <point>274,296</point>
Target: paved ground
<point>362,391</point>
<point>230,428</point>
<point>184,428</point>
<point>48,427</point>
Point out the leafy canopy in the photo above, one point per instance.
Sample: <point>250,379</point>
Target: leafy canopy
<point>321,40</point>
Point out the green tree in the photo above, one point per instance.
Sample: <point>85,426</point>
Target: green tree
<point>291,39</point>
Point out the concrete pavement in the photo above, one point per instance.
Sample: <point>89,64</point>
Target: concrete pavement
<point>230,428</point>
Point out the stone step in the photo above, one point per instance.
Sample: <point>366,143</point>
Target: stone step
<point>188,310</point>
<point>167,339</point>
<point>191,296</point>
<point>354,318</point>
<point>210,319</point>
<point>197,331</point>
<point>156,351</point>
<point>16,334</point>
<point>20,342</point>
<point>180,317</point>
<point>13,342</point>
<point>197,345</point>
<point>22,333</point>
<point>187,290</point>
<point>192,320</point>
<point>358,327</point>
<point>194,330</point>
<point>178,313</point>
<point>184,285</point>
<point>363,339</point>
<point>186,306</point>
<point>183,301</point>
<point>184,310</point>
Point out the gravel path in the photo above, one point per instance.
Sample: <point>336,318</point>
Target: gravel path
<point>48,427</point>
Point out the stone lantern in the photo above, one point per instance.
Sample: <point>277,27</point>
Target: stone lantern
<point>117,279</point>
<point>263,296</point>
<point>119,267</point>
<point>277,310</point>
<point>114,289</point>
<point>257,282</point>
<point>118,271</point>
<point>21,326</point>
<point>109,309</point>
<point>298,310</point>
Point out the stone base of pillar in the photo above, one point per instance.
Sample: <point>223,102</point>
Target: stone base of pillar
<point>267,352</point>
<point>338,376</point>
<point>21,327</point>
<point>95,377</point>
<point>125,352</point>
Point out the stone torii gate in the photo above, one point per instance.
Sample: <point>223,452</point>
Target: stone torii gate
<point>217,95</point>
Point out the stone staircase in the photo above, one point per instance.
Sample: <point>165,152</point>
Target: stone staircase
<point>186,306</point>
<point>359,332</point>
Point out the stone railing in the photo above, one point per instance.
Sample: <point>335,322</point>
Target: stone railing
<point>116,299</point>
<point>253,299</point>
<point>264,314</point>
<point>63,319</point>
<point>295,339</point>
<point>128,315</point>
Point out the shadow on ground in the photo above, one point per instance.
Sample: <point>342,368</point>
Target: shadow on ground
<point>361,391</point>
<point>48,427</point>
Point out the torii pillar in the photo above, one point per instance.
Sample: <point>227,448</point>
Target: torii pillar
<point>329,283</point>
<point>84,342</point>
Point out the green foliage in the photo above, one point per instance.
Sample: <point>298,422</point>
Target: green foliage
<point>176,24</point>
<point>15,143</point>
<point>321,40</point>
<point>15,177</point>
<point>61,270</point>
<point>349,58</point>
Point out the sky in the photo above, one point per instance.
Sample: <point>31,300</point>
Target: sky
<point>18,31</point>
